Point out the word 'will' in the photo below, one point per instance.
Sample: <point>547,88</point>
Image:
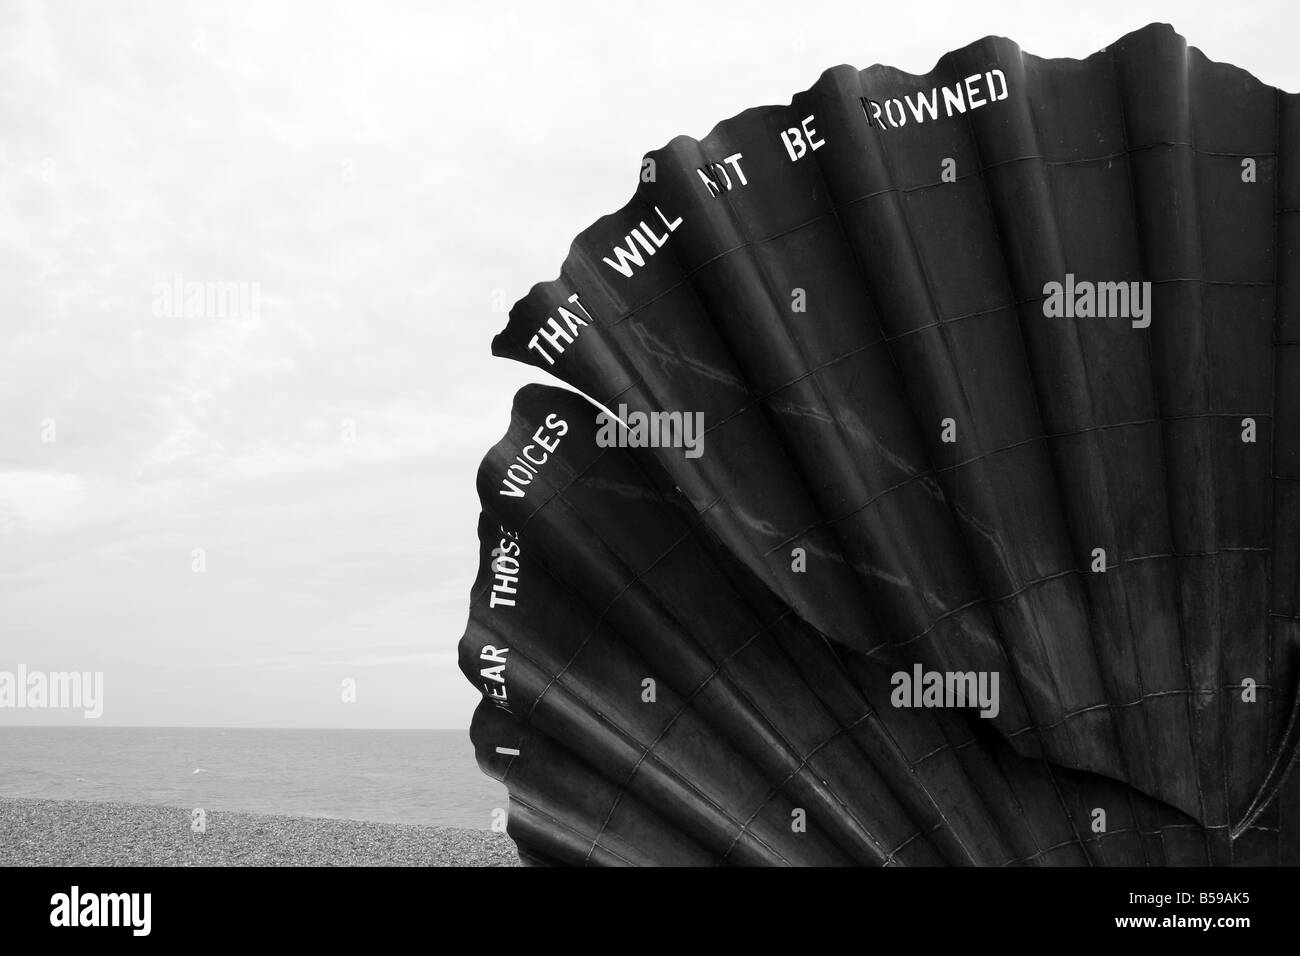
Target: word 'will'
<point>1102,300</point>
<point>946,689</point>
<point>651,430</point>
<point>627,257</point>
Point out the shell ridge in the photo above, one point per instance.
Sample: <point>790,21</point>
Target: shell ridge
<point>856,253</point>
<point>632,581</point>
<point>1052,228</point>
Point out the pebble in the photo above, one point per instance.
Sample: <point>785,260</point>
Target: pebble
<point>76,833</point>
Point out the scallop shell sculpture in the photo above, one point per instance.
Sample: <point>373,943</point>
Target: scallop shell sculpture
<point>973,536</point>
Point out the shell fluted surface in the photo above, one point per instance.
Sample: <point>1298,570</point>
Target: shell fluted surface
<point>986,379</point>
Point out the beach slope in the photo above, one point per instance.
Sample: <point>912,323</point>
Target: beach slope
<point>75,833</point>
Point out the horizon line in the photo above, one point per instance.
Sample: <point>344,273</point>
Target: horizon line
<point>90,723</point>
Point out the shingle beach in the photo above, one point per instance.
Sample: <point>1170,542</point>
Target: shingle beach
<point>74,833</point>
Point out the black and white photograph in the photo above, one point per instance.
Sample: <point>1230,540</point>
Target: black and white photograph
<point>440,437</point>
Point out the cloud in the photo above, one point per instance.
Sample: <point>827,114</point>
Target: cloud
<point>383,173</point>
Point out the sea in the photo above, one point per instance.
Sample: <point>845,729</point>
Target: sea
<point>424,777</point>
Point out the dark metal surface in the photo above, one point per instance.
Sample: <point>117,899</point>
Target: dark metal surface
<point>922,301</point>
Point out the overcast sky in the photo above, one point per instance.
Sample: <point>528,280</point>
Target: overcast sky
<point>385,173</point>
